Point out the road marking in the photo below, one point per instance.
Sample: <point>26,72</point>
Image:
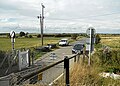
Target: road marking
<point>56,79</point>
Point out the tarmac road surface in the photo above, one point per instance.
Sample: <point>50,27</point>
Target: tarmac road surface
<point>51,74</point>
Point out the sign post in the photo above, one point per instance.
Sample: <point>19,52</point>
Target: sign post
<point>12,34</point>
<point>90,32</point>
<point>89,49</point>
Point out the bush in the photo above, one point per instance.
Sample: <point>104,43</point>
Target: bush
<point>26,36</point>
<point>74,36</point>
<point>38,36</point>
<point>30,36</point>
<point>2,54</point>
<point>109,60</point>
<point>8,35</point>
<point>97,39</point>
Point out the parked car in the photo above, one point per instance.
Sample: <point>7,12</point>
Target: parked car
<point>63,42</point>
<point>77,48</point>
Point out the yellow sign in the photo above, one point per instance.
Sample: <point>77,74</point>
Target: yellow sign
<point>40,76</point>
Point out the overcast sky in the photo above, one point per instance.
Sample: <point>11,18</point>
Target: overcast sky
<point>61,16</point>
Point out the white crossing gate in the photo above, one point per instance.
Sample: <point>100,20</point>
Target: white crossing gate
<point>23,59</point>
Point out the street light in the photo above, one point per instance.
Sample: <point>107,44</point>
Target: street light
<point>41,17</point>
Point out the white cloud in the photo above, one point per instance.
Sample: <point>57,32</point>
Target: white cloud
<point>61,13</point>
<point>4,20</point>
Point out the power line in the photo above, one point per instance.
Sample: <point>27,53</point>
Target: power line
<point>105,14</point>
<point>87,17</point>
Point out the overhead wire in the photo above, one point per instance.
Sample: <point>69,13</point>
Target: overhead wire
<point>87,17</point>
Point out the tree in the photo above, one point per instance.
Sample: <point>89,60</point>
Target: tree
<point>22,34</point>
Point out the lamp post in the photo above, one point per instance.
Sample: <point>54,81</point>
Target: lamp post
<point>41,17</point>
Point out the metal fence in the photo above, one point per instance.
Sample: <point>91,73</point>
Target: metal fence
<point>48,74</point>
<point>44,75</point>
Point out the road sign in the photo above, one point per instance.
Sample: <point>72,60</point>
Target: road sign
<point>12,34</point>
<point>40,76</point>
<point>92,31</point>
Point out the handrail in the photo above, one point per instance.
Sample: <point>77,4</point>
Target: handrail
<point>28,76</point>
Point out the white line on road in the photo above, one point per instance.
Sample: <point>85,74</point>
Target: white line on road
<point>56,79</point>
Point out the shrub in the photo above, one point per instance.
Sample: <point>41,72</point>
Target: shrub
<point>97,39</point>
<point>8,35</point>
<point>38,36</point>
<point>30,36</point>
<point>62,35</point>
<point>74,36</point>
<point>2,54</point>
<point>26,36</point>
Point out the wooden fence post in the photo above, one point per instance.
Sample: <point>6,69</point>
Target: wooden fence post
<point>75,59</point>
<point>78,57</point>
<point>32,56</point>
<point>66,67</point>
<point>84,52</point>
<point>29,57</point>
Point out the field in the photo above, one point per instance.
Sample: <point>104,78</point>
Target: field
<point>5,43</point>
<point>112,42</point>
<point>83,75</point>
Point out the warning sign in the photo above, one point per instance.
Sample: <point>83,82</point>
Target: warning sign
<point>40,76</point>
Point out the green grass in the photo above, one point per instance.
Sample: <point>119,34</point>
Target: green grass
<point>83,75</point>
<point>5,43</point>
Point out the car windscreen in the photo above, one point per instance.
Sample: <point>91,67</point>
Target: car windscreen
<point>63,41</point>
<point>78,47</point>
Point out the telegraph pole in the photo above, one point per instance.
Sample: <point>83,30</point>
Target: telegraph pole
<point>41,17</point>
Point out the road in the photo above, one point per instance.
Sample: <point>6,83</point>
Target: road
<point>51,74</point>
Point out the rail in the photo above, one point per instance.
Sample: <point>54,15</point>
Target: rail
<point>34,73</point>
<point>20,77</point>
